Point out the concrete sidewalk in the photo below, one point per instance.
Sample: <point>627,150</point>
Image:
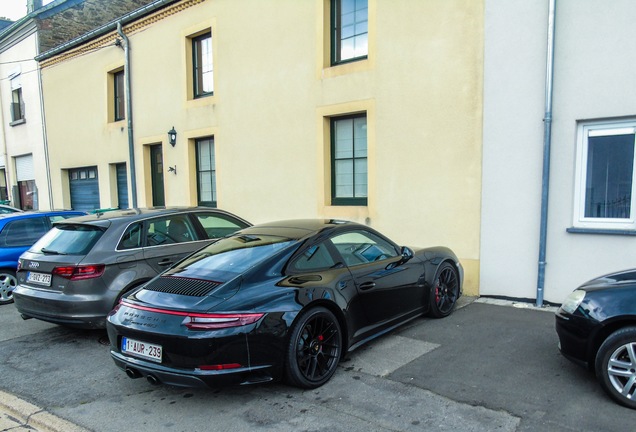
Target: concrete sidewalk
<point>19,415</point>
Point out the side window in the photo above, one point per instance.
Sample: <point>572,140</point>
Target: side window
<point>361,247</point>
<point>131,238</point>
<point>313,258</point>
<point>169,230</point>
<point>23,232</point>
<point>217,226</point>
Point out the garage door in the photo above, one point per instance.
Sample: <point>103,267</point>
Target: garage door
<point>84,188</point>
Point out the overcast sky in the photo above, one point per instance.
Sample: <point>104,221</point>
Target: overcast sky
<point>15,9</point>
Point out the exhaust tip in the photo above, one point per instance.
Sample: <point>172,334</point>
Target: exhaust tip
<point>152,379</point>
<point>133,373</point>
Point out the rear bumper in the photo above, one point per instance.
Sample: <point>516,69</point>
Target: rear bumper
<point>159,374</point>
<point>84,311</point>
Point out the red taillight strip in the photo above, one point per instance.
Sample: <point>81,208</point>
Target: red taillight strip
<point>151,309</point>
<point>217,320</point>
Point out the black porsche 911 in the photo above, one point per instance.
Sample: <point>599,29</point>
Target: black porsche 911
<point>596,325</point>
<point>280,300</point>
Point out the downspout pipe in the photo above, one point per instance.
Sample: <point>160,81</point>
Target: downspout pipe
<point>129,115</point>
<point>547,137</point>
<point>45,141</point>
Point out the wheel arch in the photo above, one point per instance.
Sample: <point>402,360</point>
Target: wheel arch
<point>338,313</point>
<point>603,333</point>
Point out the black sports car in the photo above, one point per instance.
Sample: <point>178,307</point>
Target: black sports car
<point>596,326</point>
<point>280,300</point>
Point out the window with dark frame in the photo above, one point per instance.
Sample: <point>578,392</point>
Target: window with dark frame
<point>17,105</point>
<point>349,160</point>
<point>119,96</point>
<point>206,172</point>
<point>202,65</point>
<point>349,30</point>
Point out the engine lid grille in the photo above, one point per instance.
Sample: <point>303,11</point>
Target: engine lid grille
<point>182,286</point>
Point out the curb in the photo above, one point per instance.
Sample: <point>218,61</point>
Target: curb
<point>34,417</point>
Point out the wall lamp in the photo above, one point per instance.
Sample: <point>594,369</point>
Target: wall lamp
<point>172,136</point>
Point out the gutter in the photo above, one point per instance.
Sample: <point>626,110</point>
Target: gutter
<point>129,115</point>
<point>547,137</point>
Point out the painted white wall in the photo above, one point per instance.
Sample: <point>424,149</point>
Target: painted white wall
<point>593,79</point>
<point>28,137</point>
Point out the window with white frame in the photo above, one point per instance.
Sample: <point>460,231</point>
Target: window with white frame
<point>605,175</point>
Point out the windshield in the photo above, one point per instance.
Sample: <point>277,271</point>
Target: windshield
<point>68,240</point>
<point>232,255</point>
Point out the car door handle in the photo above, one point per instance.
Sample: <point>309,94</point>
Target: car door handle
<point>166,262</point>
<point>366,285</point>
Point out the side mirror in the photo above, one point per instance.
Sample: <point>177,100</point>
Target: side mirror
<point>407,254</point>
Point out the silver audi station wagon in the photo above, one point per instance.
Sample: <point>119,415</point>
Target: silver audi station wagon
<point>77,272</point>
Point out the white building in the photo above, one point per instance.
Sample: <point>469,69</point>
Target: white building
<point>591,213</point>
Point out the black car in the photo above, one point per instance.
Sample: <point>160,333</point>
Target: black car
<point>596,326</point>
<point>280,300</point>
<point>76,273</point>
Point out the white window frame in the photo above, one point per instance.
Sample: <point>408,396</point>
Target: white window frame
<point>592,129</point>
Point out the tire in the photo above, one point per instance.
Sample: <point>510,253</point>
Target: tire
<point>616,366</point>
<point>8,282</point>
<point>444,292</point>
<point>314,350</point>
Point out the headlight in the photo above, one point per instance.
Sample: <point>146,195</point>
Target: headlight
<point>573,301</point>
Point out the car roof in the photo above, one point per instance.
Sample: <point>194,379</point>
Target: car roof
<point>35,213</point>
<point>142,213</point>
<point>298,228</point>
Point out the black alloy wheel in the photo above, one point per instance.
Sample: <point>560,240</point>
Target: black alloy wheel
<point>314,349</point>
<point>616,366</point>
<point>445,291</point>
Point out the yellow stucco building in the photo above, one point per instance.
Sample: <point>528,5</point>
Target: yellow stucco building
<point>367,111</point>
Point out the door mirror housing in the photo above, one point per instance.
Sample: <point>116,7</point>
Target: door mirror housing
<point>407,254</point>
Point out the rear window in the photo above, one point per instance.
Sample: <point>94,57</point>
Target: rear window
<point>68,240</point>
<point>234,254</point>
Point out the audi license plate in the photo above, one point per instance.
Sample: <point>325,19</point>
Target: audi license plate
<point>141,349</point>
<point>39,278</point>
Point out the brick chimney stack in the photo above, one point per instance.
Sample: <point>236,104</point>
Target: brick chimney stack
<point>33,5</point>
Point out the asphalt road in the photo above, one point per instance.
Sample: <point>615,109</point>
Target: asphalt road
<point>485,368</point>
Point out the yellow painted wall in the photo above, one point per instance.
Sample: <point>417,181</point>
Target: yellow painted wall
<point>421,88</point>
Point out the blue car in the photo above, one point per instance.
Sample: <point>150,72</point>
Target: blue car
<point>18,232</point>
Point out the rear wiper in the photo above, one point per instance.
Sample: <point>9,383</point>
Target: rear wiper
<point>51,252</point>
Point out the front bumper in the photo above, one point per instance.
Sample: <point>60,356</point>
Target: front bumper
<point>575,337</point>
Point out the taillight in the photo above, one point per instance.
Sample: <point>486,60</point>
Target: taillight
<point>79,272</point>
<point>204,321</point>
<point>219,321</point>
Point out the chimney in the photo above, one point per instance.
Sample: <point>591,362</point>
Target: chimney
<point>33,5</point>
